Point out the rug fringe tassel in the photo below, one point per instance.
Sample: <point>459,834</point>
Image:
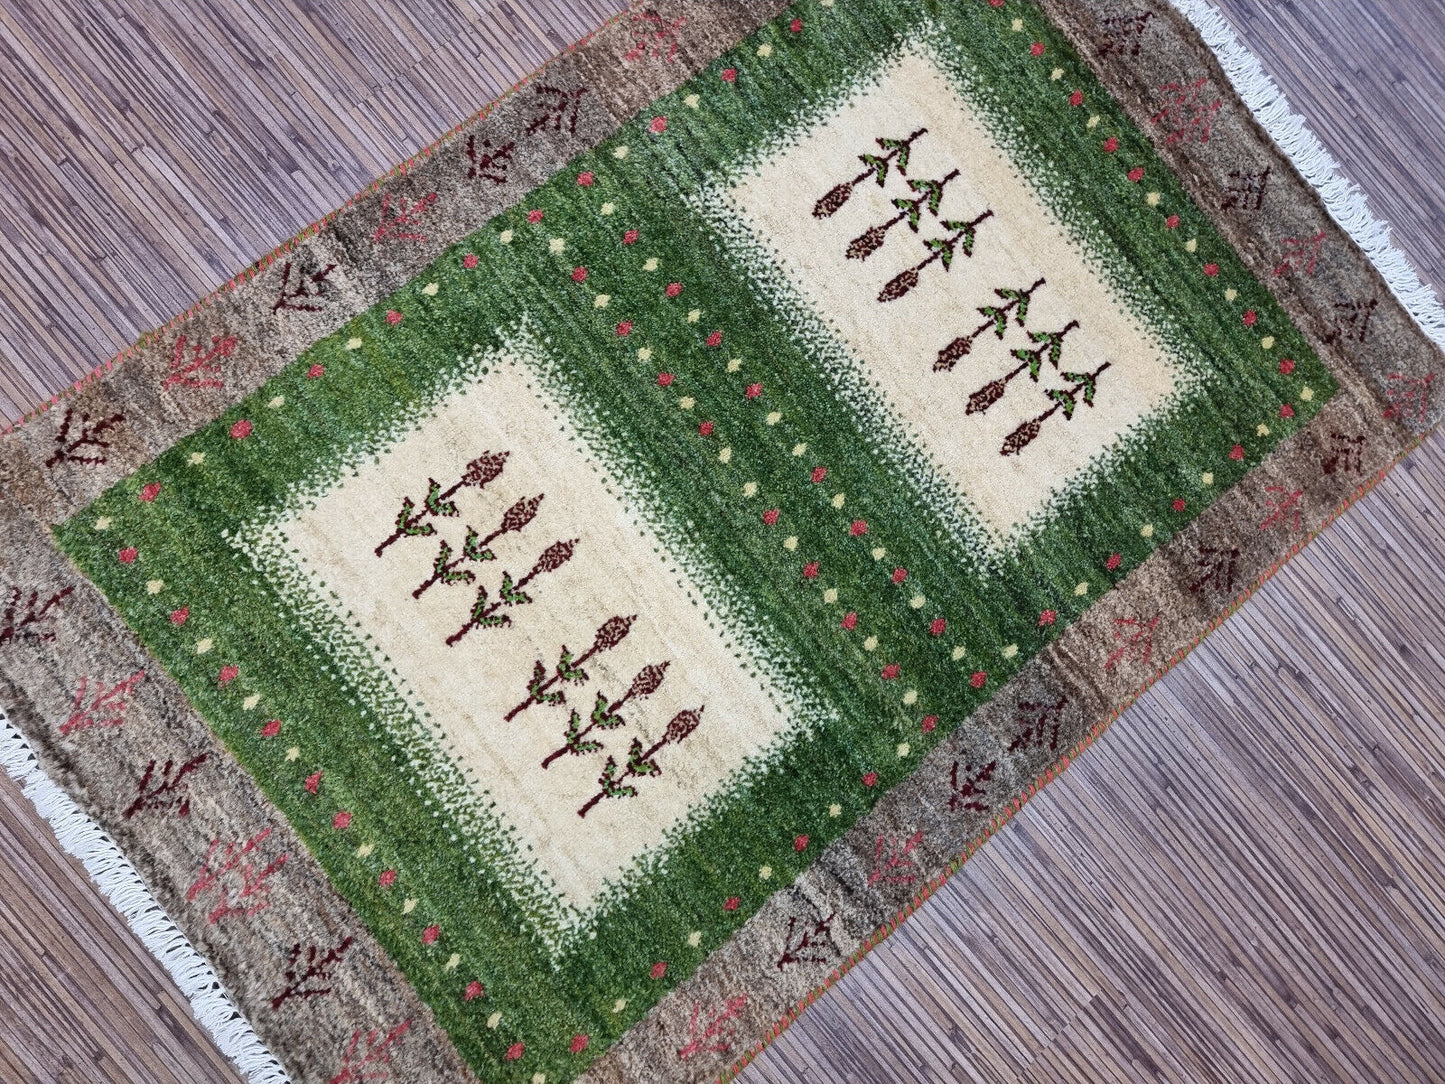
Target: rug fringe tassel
<point>1343,199</point>
<point>121,883</point>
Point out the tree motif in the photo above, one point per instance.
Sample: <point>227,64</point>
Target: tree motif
<point>1245,190</point>
<point>813,946</point>
<point>90,436</point>
<point>1038,724</point>
<point>995,320</point>
<point>1135,637</point>
<point>560,112</point>
<point>438,502</point>
<point>1065,399</point>
<point>400,222</point>
<point>1217,568</point>
<point>23,624</point>
<point>232,861</point>
<point>1188,114</point>
<point>930,195</point>
<point>489,163</point>
<point>475,547</point>
<point>967,788</point>
<point>372,1061</point>
<point>107,707</point>
<point>568,669</point>
<point>167,792</point>
<point>653,37</point>
<point>893,860</point>
<point>614,781</point>
<point>1283,507</point>
<point>604,715</point>
<point>1344,454</point>
<point>201,370</point>
<point>895,155</point>
<point>942,251</point>
<point>510,593</point>
<point>715,1034</point>
<point>298,298</point>
<point>305,974</point>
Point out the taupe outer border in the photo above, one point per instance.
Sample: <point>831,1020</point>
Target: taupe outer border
<point>98,768</point>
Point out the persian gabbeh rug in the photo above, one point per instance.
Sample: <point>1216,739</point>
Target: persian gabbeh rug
<point>549,619</point>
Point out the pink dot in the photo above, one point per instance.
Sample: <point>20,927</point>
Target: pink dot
<point>705,429</point>
<point>900,574</point>
<point>241,430</point>
<point>659,124</point>
<point>473,991</point>
<point>729,75</point>
<point>1172,221</point>
<point>228,674</point>
<point>870,778</point>
<point>430,934</point>
<point>178,617</point>
<point>271,729</point>
<point>1036,49</point>
<point>316,370</point>
<point>579,1043</point>
<point>1237,452</point>
<point>673,289</point>
<point>715,339</point>
<point>770,516</point>
<point>819,473</point>
<point>534,215</point>
<point>810,570</point>
<point>1047,617</point>
<point>890,671</point>
<point>1177,504</point>
<point>127,555</point>
<point>731,903</point>
<point>995,3</point>
<point>515,1051</point>
<point>664,380</point>
<point>341,821</point>
<point>930,722</point>
<point>795,25</point>
<point>629,237</point>
<point>850,620</point>
<point>1286,411</point>
<point>800,843</point>
<point>1251,318</point>
<point>753,391</point>
<point>579,274</point>
<point>1111,144</point>
<point>1211,269</point>
<point>936,626</point>
<point>1286,366</point>
<point>313,781</point>
<point>1114,561</point>
<point>585,178</point>
<point>387,878</point>
<point>1076,98</point>
<point>150,491</point>
<point>857,527</point>
<point>393,317</point>
<point>624,328</point>
<point>1136,174</point>
<point>659,969</point>
<point>977,679</point>
<point>469,261</point>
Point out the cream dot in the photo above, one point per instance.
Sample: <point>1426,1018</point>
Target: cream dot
<point>539,1078</point>
<point>1018,24</point>
<point>651,264</point>
<point>694,316</point>
<point>799,449</point>
<point>452,961</point>
<point>1207,477</point>
<point>608,207</point>
<point>601,301</point>
<point>765,49</point>
<point>725,455</point>
<point>1267,342</point>
<point>1152,199</point>
<point>735,364</point>
<point>902,749</point>
<point>505,237</point>
<point>765,872</point>
<point>619,1004</point>
<point>250,702</point>
<point>556,245</point>
<point>1230,294</point>
<point>878,553</point>
<point>1093,121</point>
<point>1056,74</point>
<point>353,343</point>
<point>750,489</point>
<point>430,289</point>
<point>870,644</point>
<point>917,601</point>
<point>695,938</point>
<point>277,402</point>
<point>197,457</point>
<point>1082,588</point>
<point>365,849</point>
<point>1191,244</point>
<point>620,152</point>
<point>644,353</point>
<point>1147,530</point>
<point>1262,430</point>
<point>102,523</point>
<point>791,542</point>
<point>1010,651</point>
<point>691,101</point>
<point>495,1019</point>
<point>830,596</point>
<point>687,402</point>
<point>959,652</point>
<point>203,646</point>
<point>838,500</point>
<point>835,810</point>
<point>1306,394</point>
<point>409,905</point>
<point>911,696</point>
<point>773,418</point>
<point>155,587</point>
<point>293,753</point>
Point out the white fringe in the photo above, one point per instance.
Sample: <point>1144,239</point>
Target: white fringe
<point>122,885</point>
<point>1344,200</point>
<point>213,1007</point>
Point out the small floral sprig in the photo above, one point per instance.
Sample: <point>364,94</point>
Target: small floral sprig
<point>411,522</point>
<point>510,593</point>
<point>475,547</point>
<point>568,669</point>
<point>942,250</point>
<point>895,152</point>
<point>639,761</point>
<point>604,715</point>
<point>995,320</point>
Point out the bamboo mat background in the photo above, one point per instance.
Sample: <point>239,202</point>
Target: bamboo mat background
<point>1241,881</point>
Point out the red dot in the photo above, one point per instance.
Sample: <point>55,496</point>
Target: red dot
<point>149,491</point>
<point>800,843</point>
<point>469,261</point>
<point>1136,174</point>
<point>127,555</point>
<point>316,370</point>
<point>977,679</point>
<point>899,575</point>
<point>624,328</point>
<point>729,75</point>
<point>271,729</point>
<point>1111,144</point>
<point>1286,366</point>
<point>579,1043</point>
<point>795,25</point>
<point>1036,49</point>
<point>810,570</point>
<point>659,969</point>
<point>1048,617</point>
<point>515,1051</point>
<point>534,215</point>
<point>313,782</point>
<point>770,516</point>
<point>819,473</point>
<point>228,674</point>
<point>890,671</point>
<point>387,878</point>
<point>393,317</point>
<point>659,124</point>
<point>579,274</point>
<point>1286,411</point>
<point>857,527</point>
<point>715,339</point>
<point>1113,561</point>
<point>1250,318</point>
<point>995,3</point>
<point>178,617</point>
<point>936,626</point>
<point>629,237</point>
<point>705,429</point>
<point>585,178</point>
<point>664,380</point>
<point>869,778</point>
<point>341,821</point>
<point>754,390</point>
<point>1177,504</point>
<point>1172,221</point>
<point>430,934</point>
<point>241,430</point>
<point>1211,269</point>
<point>850,620</point>
<point>1237,452</point>
<point>731,903</point>
<point>473,991</point>
<point>673,289</point>
<point>1076,98</point>
<point>929,723</point>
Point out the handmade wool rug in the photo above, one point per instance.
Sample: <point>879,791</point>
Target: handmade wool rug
<point>552,617</point>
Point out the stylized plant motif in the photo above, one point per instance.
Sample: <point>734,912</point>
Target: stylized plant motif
<point>438,502</point>
<point>569,670</point>
<point>942,250</point>
<point>510,593</point>
<point>895,153</point>
<point>995,319</point>
<point>639,760</point>
<point>475,547</point>
<point>930,195</point>
<point>1049,349</point>
<point>1065,399</point>
<point>604,715</point>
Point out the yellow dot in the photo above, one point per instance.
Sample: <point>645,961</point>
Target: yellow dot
<point>791,542</point>
<point>879,553</point>
<point>835,810</point>
<point>496,1018</point>
<point>911,696</point>
<point>902,749</point>
<point>837,500</point>
<point>1267,342</point>
<point>102,523</point>
<point>765,49</point>
<point>1230,294</point>
<point>750,489</point>
<point>1261,429</point>
<point>293,753</point>
<point>695,938</point>
<point>1082,588</point>
<point>353,343</point>
<point>409,905</point>
<point>601,301</point>
<point>250,702</point>
<point>1018,24</point>
<point>691,101</point>
<point>452,961</point>
<point>365,849</point>
<point>277,402</point>
<point>608,207</point>
<point>687,402</point>
<point>694,316</point>
<point>430,289</point>
<point>735,364</point>
<point>916,602</point>
<point>1093,121</point>
<point>556,244</point>
<point>644,353</point>
<point>651,264</point>
<point>620,152</point>
<point>830,596</point>
<point>1191,244</point>
<point>619,1004</point>
<point>1010,651</point>
<point>1056,74</point>
<point>1207,478</point>
<point>724,455</point>
<point>799,449</point>
<point>154,587</point>
<point>505,237</point>
<point>959,652</point>
<point>1152,199</point>
<point>1147,530</point>
<point>1307,394</point>
<point>203,646</point>
<point>765,872</point>
<point>870,644</point>
<point>198,457</point>
<point>773,418</point>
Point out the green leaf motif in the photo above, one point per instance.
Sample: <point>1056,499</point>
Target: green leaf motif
<point>602,718</point>
<point>568,672</point>
<point>1087,385</point>
<point>879,166</point>
<point>609,783</point>
<point>434,502</point>
<point>510,593</point>
<point>901,146</point>
<point>574,740</point>
<point>538,694</point>
<point>406,522</point>
<point>637,764</point>
<point>1065,399</point>
<point>944,247</point>
<point>474,551</point>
